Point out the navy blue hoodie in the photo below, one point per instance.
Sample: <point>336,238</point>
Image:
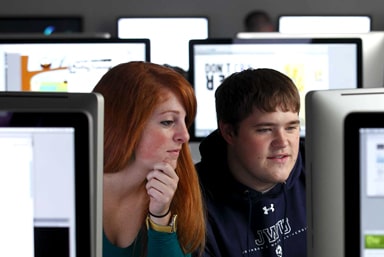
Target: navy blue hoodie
<point>244,222</point>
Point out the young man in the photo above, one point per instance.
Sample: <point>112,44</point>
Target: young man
<point>251,169</point>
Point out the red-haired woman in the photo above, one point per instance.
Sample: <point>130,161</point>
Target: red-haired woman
<point>152,204</point>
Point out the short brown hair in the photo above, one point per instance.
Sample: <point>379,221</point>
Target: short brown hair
<point>263,88</point>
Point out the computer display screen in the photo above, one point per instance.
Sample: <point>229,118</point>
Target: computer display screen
<point>29,165</point>
<point>364,183</point>
<point>343,144</point>
<point>373,54</point>
<point>169,36</point>
<point>50,174</point>
<point>64,64</point>
<point>324,23</point>
<point>311,63</point>
<point>45,25</point>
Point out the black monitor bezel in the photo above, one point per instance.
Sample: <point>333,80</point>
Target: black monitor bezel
<point>83,192</point>
<point>353,122</point>
<point>91,105</point>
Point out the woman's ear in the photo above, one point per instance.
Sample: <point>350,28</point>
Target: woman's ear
<point>227,132</point>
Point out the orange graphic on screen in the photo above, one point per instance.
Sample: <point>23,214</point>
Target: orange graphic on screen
<point>26,75</point>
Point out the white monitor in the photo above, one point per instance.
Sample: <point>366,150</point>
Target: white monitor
<point>59,64</point>
<point>51,158</point>
<point>324,23</point>
<point>332,168</point>
<point>169,36</point>
<point>311,63</point>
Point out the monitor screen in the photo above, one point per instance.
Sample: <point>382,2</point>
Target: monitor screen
<point>364,184</point>
<point>51,173</point>
<point>169,36</point>
<point>63,64</point>
<point>333,176</point>
<point>311,63</point>
<point>324,23</point>
<point>373,54</point>
<point>44,25</point>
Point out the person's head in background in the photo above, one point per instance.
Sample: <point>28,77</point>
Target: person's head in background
<point>258,21</point>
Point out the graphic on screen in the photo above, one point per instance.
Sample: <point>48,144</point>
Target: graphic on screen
<point>62,67</point>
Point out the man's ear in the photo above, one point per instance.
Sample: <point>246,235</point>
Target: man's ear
<point>227,132</point>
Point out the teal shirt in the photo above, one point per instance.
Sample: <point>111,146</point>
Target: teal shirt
<point>160,244</point>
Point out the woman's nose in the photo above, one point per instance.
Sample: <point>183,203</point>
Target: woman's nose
<point>182,134</point>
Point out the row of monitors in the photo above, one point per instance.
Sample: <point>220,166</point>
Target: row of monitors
<point>163,32</point>
<point>178,30</point>
<point>313,62</point>
<point>175,32</point>
<point>344,160</point>
<point>131,26</point>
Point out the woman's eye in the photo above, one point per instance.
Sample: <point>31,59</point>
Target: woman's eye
<point>167,122</point>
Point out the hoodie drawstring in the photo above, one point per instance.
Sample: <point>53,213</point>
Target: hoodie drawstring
<point>249,219</point>
<point>285,216</point>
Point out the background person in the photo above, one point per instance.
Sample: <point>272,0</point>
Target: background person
<point>258,21</point>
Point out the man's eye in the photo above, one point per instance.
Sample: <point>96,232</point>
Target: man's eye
<point>293,127</point>
<point>263,130</point>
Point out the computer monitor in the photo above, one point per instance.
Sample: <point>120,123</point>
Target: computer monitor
<point>373,50</point>
<point>51,158</point>
<point>72,35</point>
<point>333,198</point>
<point>364,183</point>
<point>44,25</point>
<point>169,36</point>
<point>324,23</point>
<point>312,63</point>
<point>63,64</point>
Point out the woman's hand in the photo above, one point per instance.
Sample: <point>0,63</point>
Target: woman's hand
<point>161,187</point>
